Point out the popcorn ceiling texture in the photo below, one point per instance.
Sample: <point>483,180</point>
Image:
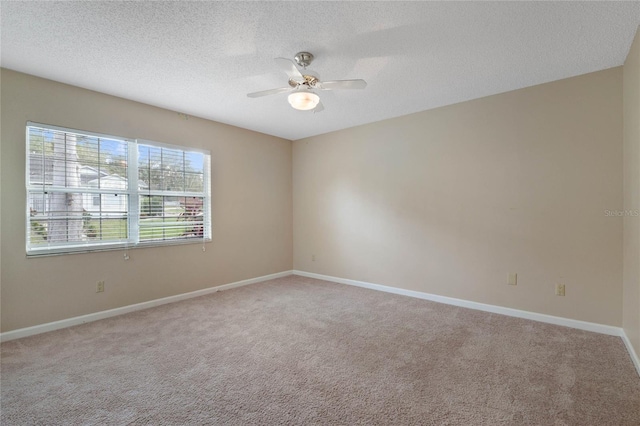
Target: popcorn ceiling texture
<point>302,351</point>
<point>202,58</point>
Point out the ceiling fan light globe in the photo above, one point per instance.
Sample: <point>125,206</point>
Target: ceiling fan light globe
<point>303,101</point>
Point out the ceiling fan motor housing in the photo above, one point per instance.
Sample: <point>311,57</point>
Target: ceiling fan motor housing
<point>309,81</point>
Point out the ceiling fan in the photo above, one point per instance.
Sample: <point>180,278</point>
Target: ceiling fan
<point>303,84</point>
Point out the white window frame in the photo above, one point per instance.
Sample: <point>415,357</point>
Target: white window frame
<point>133,193</point>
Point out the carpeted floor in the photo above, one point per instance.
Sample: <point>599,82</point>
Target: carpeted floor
<point>302,351</point>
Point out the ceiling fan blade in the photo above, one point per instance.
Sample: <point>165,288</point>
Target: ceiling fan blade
<point>318,108</point>
<point>289,67</point>
<point>343,84</point>
<point>269,92</point>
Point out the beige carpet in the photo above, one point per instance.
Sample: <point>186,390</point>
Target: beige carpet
<point>301,351</point>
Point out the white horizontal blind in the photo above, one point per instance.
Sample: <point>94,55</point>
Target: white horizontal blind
<point>77,190</point>
<point>172,193</point>
<point>91,192</point>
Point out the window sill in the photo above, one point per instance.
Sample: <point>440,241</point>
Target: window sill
<point>35,253</point>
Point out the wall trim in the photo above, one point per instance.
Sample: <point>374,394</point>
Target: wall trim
<point>632,353</point>
<point>567,322</point>
<point>70,322</point>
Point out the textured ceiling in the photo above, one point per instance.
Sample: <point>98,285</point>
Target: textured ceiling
<point>202,58</point>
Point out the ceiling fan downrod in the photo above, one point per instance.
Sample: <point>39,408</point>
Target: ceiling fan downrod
<point>303,59</point>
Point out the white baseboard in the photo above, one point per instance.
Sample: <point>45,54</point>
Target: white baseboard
<point>69,322</point>
<point>632,352</point>
<point>582,325</point>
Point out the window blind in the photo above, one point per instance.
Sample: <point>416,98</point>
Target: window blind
<point>77,186</point>
<point>88,191</point>
<point>172,193</point>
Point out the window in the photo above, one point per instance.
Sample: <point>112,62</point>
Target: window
<point>171,193</point>
<point>92,192</point>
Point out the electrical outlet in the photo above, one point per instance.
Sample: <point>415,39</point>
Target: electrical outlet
<point>559,289</point>
<point>313,257</point>
<point>100,287</point>
<point>513,279</point>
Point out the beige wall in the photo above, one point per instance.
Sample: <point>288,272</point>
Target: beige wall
<point>446,201</point>
<point>631,286</point>
<point>449,201</point>
<point>252,208</point>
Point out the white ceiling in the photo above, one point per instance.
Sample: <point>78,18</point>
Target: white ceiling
<point>202,58</point>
